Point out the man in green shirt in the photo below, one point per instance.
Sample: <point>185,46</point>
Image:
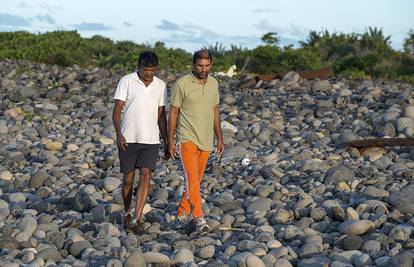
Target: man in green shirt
<point>195,118</point>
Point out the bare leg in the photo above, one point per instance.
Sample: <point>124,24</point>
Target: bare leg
<point>127,190</point>
<point>142,193</point>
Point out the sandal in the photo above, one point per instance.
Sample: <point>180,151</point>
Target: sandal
<point>127,220</point>
<point>137,228</point>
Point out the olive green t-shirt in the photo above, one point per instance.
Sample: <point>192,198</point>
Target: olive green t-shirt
<point>196,102</point>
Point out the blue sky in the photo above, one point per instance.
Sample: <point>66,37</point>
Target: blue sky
<point>192,24</point>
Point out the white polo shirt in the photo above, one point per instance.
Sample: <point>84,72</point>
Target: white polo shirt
<point>139,123</point>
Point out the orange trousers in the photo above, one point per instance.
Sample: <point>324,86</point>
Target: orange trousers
<point>194,163</point>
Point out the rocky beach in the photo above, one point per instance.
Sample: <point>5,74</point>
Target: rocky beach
<point>288,191</point>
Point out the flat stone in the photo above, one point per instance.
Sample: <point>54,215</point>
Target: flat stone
<point>78,247</point>
<point>403,199</point>
<point>371,246</point>
<point>310,249</point>
<point>106,141</point>
<point>83,202</point>
<point>28,225</point>
<point>17,197</point>
<point>352,242</point>
<point>321,86</point>
<point>282,216</point>
<point>7,242</point>
<point>136,259</point>
<point>49,254</point>
<point>54,146</point>
<point>6,176</point>
<point>181,256</point>
<point>359,227</point>
<point>317,261</point>
<point>236,152</point>
<point>241,258</point>
<point>226,126</point>
<point>283,263</point>
<point>38,179</point>
<point>338,174</point>
<point>207,252</point>
<point>156,257</point>
<point>111,183</point>
<point>259,205</point>
<point>254,261</point>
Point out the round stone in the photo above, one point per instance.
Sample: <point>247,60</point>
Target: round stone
<point>352,242</point>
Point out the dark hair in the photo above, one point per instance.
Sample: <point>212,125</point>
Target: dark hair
<point>147,59</point>
<point>202,54</point>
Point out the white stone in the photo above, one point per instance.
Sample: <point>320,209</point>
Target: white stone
<point>72,147</point>
<point>54,146</point>
<point>409,112</point>
<point>228,126</point>
<point>147,208</point>
<point>111,183</point>
<point>6,176</point>
<point>106,141</point>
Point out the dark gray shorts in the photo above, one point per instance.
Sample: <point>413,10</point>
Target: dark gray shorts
<point>138,155</point>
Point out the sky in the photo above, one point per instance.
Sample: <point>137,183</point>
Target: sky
<point>191,25</point>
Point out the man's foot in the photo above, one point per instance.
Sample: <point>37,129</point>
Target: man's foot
<point>201,225</point>
<point>137,228</point>
<point>127,220</point>
<point>197,225</point>
<point>181,221</point>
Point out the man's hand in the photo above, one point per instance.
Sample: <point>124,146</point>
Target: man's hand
<point>166,152</point>
<point>172,150</point>
<point>220,148</point>
<point>121,142</point>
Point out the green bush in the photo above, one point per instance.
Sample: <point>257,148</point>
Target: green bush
<point>263,59</point>
<point>366,55</point>
<point>298,59</point>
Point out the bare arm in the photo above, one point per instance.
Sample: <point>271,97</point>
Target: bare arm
<point>162,125</point>
<point>172,123</point>
<point>217,131</point>
<point>116,119</point>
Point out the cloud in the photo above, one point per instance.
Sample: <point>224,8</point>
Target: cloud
<point>50,8</point>
<point>45,18</point>
<point>291,32</point>
<point>167,25</point>
<point>203,31</point>
<point>128,24</point>
<point>23,5</point>
<point>198,36</point>
<point>265,10</point>
<point>92,26</point>
<point>13,20</point>
<point>186,38</point>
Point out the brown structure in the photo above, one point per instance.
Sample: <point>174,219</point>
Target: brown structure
<point>322,73</point>
<point>381,142</point>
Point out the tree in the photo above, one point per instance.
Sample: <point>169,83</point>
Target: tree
<point>409,43</point>
<point>271,38</point>
<point>374,40</point>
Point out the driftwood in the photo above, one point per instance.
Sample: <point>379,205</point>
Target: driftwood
<point>231,229</point>
<point>322,73</point>
<point>381,142</point>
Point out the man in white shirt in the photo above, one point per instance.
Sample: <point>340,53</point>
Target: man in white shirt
<point>143,97</point>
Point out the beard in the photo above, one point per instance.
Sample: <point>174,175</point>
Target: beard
<point>202,75</point>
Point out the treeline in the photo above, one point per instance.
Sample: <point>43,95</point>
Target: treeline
<point>366,55</point>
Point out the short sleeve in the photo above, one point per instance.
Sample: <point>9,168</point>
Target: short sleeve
<point>176,95</point>
<point>217,99</point>
<point>121,90</point>
<point>162,101</point>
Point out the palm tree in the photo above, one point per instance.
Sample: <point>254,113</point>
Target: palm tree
<point>409,43</point>
<point>374,40</point>
<point>271,38</point>
<point>313,40</point>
